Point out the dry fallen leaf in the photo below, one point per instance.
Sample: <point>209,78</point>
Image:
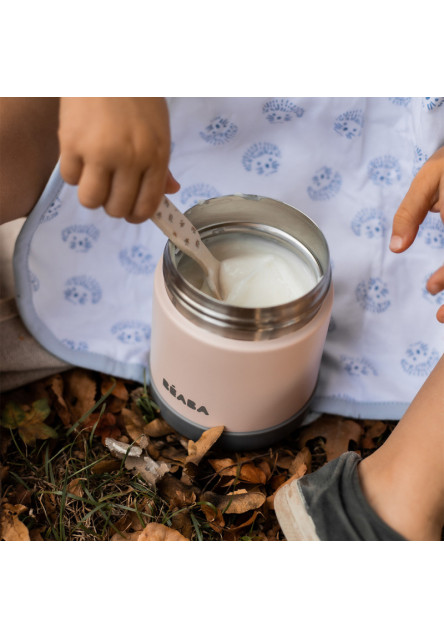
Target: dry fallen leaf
<point>157,428</point>
<point>134,424</point>
<point>301,463</point>
<point>56,386</point>
<point>337,432</point>
<point>125,537</point>
<point>104,425</point>
<point>80,392</point>
<point>159,532</point>
<point>246,523</point>
<point>75,487</point>
<point>12,528</point>
<point>182,523</point>
<point>236,502</point>
<point>29,421</point>
<point>197,450</point>
<point>118,396</point>
<point>176,492</point>
<point>105,466</point>
<point>246,471</point>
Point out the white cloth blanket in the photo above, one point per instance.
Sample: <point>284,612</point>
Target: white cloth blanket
<point>84,280</point>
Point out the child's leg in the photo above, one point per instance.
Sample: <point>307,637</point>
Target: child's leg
<point>29,151</point>
<point>396,493</point>
<point>404,479</point>
<point>28,154</point>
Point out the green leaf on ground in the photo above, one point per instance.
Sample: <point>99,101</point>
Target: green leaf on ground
<point>29,421</point>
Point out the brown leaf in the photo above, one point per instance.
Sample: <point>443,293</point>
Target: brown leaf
<point>266,468</point>
<point>197,450</point>
<point>125,537</point>
<point>134,424</point>
<point>13,529</point>
<point>225,466</point>
<point>236,502</point>
<point>157,428</point>
<point>213,515</point>
<point>159,532</point>
<point>120,391</point>
<point>285,459</point>
<point>301,462</point>
<point>104,425</point>
<point>36,535</point>
<point>337,432</point>
<point>56,386</point>
<point>278,481</point>
<point>374,428</point>
<point>181,522</point>
<point>80,392</point>
<point>176,492</point>
<point>105,466</point>
<point>300,469</point>
<point>173,453</point>
<point>238,527</point>
<point>75,487</point>
<point>247,472</point>
<point>29,420</point>
<point>3,472</point>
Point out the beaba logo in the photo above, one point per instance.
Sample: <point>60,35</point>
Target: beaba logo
<point>187,402</point>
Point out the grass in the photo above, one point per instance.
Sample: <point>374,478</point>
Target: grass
<point>75,490</point>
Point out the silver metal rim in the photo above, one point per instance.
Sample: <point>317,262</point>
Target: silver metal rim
<point>252,215</point>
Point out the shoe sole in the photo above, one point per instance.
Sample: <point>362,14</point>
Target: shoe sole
<point>292,515</point>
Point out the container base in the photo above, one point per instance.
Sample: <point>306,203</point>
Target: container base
<point>232,440</point>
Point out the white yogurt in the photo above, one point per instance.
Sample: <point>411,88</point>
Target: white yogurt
<point>256,272</point>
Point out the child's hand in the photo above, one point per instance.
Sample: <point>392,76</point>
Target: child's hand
<point>117,151</point>
<point>426,194</point>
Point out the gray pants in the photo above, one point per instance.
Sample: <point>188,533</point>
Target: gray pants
<point>22,359</point>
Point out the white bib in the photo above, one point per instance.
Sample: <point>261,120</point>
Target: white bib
<point>84,280</point>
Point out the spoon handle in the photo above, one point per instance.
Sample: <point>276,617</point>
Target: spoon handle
<point>186,237</point>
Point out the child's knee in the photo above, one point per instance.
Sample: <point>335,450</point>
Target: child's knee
<point>29,152</point>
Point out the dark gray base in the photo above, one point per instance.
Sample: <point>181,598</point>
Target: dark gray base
<point>235,441</point>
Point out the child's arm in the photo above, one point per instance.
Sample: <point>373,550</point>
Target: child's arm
<point>117,151</point>
<point>426,194</point>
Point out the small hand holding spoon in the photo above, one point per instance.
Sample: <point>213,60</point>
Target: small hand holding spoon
<point>186,237</point>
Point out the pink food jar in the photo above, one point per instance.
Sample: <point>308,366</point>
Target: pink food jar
<point>253,370</point>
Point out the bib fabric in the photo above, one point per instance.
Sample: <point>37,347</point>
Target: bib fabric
<point>84,280</point>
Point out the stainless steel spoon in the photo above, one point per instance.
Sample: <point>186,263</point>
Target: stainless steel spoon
<point>181,232</point>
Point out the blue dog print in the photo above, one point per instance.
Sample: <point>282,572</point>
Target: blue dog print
<point>80,237</point>
<point>75,345</point>
<point>385,170</point>
<point>262,158</point>
<point>431,231</point>
<point>403,102</point>
<point>419,157</point>
<point>52,211</point>
<point>131,332</point>
<point>432,103</point>
<point>219,131</point>
<point>369,223</point>
<point>419,359</point>
<point>349,124</point>
<point>372,295</point>
<point>197,193</point>
<point>325,184</point>
<point>358,366</point>
<point>281,110</point>
<point>137,260</point>
<point>82,290</point>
